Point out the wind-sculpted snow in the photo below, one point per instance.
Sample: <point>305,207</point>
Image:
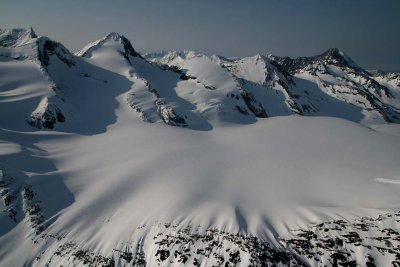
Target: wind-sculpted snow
<point>101,195</point>
<point>92,173</point>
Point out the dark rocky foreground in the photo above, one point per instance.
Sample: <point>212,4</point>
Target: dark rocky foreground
<point>20,198</point>
<point>362,242</point>
<point>332,243</point>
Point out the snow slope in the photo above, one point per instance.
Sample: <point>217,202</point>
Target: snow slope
<point>106,188</point>
<point>330,84</point>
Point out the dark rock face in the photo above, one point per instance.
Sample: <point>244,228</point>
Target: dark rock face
<point>33,209</point>
<point>128,49</point>
<point>335,57</point>
<point>21,197</point>
<point>48,48</point>
<point>9,195</point>
<point>169,115</point>
<point>186,77</point>
<point>48,118</point>
<point>251,102</point>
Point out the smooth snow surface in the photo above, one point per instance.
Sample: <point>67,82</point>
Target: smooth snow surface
<point>277,174</point>
<point>391,129</point>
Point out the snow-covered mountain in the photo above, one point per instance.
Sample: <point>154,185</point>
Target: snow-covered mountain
<point>330,84</point>
<point>193,90</point>
<point>272,163</point>
<point>24,53</point>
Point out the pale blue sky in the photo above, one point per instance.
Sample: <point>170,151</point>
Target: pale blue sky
<point>369,31</point>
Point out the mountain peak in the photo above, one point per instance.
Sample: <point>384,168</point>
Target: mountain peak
<point>338,57</point>
<point>31,32</point>
<point>114,36</point>
<point>332,56</point>
<point>15,37</point>
<point>171,57</point>
<point>334,51</point>
<point>126,47</point>
<point>258,57</point>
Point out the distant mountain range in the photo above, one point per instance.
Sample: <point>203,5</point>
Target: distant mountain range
<point>191,90</point>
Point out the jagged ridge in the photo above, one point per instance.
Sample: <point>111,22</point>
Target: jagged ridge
<point>238,90</point>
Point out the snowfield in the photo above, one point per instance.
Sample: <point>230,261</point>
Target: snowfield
<point>227,187</point>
